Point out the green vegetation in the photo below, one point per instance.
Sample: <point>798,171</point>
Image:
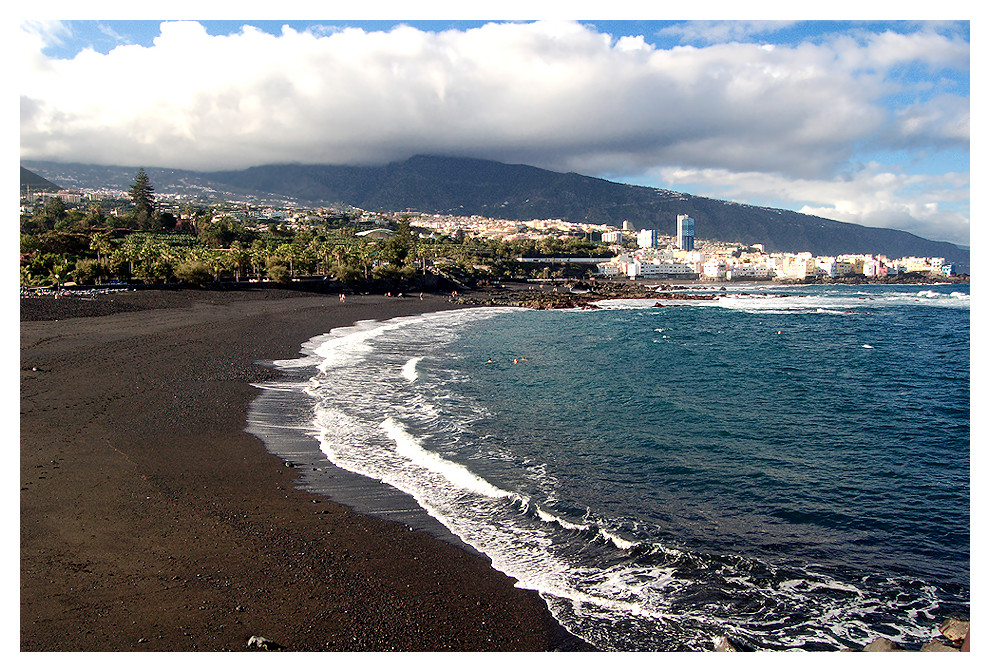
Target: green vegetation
<point>111,242</point>
<point>143,196</point>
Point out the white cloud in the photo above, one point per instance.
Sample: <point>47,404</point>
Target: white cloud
<point>889,49</point>
<point>713,32</point>
<point>943,120</point>
<point>874,196</point>
<point>39,34</point>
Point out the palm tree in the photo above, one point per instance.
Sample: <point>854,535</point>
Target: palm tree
<point>259,252</point>
<point>156,259</point>
<point>366,251</point>
<point>238,259</point>
<point>128,253</point>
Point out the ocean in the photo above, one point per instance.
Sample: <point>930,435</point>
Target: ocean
<point>783,466</point>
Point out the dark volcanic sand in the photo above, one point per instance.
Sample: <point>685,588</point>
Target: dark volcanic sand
<point>151,521</point>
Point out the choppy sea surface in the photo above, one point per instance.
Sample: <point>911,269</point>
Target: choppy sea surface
<point>784,466</point>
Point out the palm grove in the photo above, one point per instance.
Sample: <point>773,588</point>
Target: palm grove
<point>137,241</point>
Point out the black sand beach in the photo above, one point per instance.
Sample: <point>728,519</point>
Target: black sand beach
<point>150,520</point>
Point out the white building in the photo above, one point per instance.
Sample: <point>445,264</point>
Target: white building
<point>648,238</point>
<point>648,268</point>
<point>610,269</point>
<point>871,268</point>
<point>920,264</point>
<point>714,268</point>
<point>677,268</point>
<point>749,272</point>
<point>798,266</point>
<point>826,265</point>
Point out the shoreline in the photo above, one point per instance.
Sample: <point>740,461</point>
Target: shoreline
<point>152,520</point>
<point>281,417</point>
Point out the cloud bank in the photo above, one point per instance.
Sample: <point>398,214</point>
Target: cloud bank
<point>559,95</point>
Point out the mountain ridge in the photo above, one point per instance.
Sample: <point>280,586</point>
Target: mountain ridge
<point>468,186</point>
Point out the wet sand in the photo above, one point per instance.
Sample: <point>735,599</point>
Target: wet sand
<point>150,520</point>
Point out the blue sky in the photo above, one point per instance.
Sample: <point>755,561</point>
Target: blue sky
<point>860,121</point>
<point>103,36</point>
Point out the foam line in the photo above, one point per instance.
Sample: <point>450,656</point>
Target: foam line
<point>457,474</point>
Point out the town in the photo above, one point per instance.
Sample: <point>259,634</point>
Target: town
<point>91,236</point>
<point>649,254</point>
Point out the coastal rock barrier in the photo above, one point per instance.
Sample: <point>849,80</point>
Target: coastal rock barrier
<point>585,294</point>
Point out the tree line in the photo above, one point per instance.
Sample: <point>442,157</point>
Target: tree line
<point>138,242</point>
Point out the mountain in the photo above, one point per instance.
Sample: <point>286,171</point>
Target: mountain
<point>34,182</point>
<point>447,185</point>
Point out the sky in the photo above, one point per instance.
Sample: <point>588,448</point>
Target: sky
<point>858,120</point>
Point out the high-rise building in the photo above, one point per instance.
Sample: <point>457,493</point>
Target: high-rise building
<point>648,238</point>
<point>685,232</point>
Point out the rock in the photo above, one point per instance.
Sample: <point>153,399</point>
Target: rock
<point>259,642</point>
<point>954,629</point>
<point>883,644</point>
<point>936,645</point>
<point>723,644</point>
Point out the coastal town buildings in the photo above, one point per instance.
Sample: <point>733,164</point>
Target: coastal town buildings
<point>673,263</point>
<point>675,257</point>
<point>647,253</point>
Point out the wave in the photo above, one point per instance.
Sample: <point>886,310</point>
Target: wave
<point>824,303</point>
<point>451,473</point>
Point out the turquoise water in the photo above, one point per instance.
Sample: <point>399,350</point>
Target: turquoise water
<point>786,467</point>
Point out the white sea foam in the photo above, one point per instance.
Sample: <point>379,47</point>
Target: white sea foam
<point>625,304</point>
<point>827,303</point>
<point>455,474</point>
<point>610,537</point>
<point>347,344</point>
<point>409,369</point>
<point>617,541</point>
